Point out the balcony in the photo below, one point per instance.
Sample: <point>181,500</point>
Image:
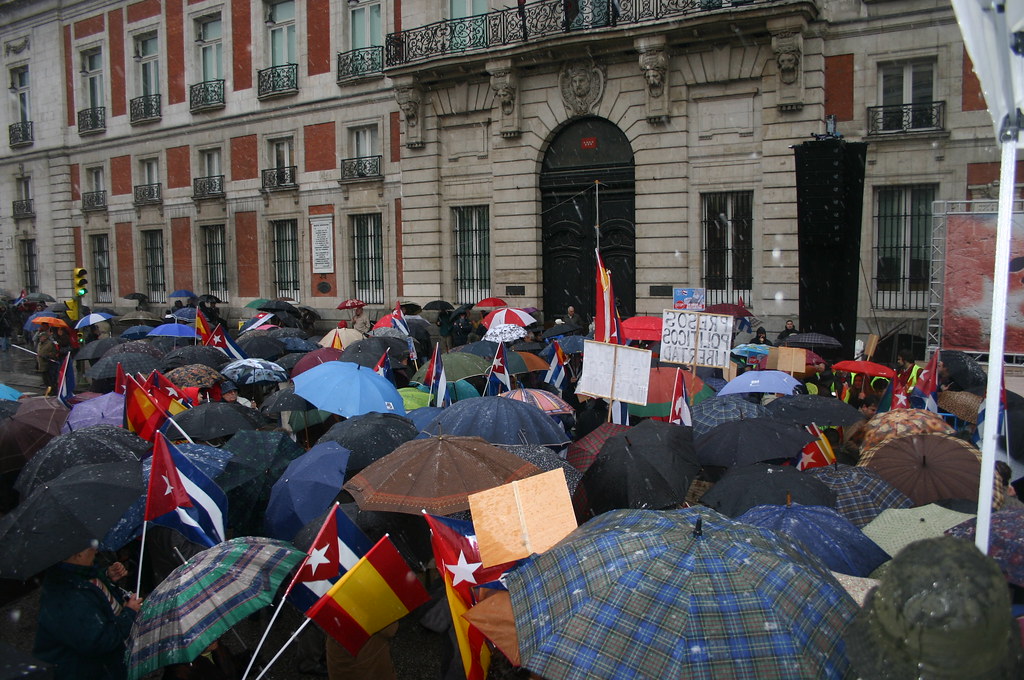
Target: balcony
<point>23,208</point>
<point>92,121</point>
<point>206,96</point>
<point>904,118</point>
<point>278,81</point>
<point>144,109</point>
<point>20,134</point>
<point>208,187</point>
<point>280,178</point>
<point>356,169</point>
<point>94,201</point>
<point>534,21</point>
<point>147,194</point>
<point>361,63</point>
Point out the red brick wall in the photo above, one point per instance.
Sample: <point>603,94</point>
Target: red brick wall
<point>319,142</point>
<point>69,76</point>
<point>247,254</point>
<point>178,174</point>
<point>399,268</point>
<point>331,278</point>
<point>971,96</point>
<point>120,176</point>
<point>143,10</point>
<point>115,42</point>
<point>87,27</point>
<point>839,86</point>
<point>318,36</point>
<point>396,137</point>
<point>241,44</point>
<point>181,237</point>
<point>125,258</point>
<point>397,14</point>
<point>243,157</point>
<point>175,22</point>
<point>79,254</point>
<point>76,182</point>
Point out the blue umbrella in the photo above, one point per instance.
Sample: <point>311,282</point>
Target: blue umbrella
<point>571,344</point>
<point>294,344</point>
<point>182,293</point>
<point>761,382</point>
<point>185,313</point>
<point>305,490</point>
<point>421,417</point>
<point>106,409</point>
<point>135,332</point>
<point>90,319</point>
<point>824,533</point>
<point>176,330</point>
<point>498,421</point>
<point>348,389</point>
<point>9,393</point>
<point>750,350</point>
<point>31,325</point>
<point>717,410</point>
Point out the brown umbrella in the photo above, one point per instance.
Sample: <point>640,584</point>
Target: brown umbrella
<point>435,474</point>
<point>929,467</point>
<point>195,375</point>
<point>900,422</point>
<point>33,425</point>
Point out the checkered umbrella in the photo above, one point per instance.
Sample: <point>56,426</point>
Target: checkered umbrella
<point>861,494</point>
<point>200,600</point>
<point>546,401</point>
<point>254,372</point>
<point>717,410</point>
<point>682,593</point>
<point>583,452</point>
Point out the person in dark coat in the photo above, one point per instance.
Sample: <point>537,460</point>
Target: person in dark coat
<point>461,328</point>
<point>84,622</point>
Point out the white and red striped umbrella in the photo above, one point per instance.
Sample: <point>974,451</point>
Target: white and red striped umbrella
<point>508,315</point>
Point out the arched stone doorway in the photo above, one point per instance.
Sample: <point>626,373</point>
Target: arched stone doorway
<point>586,152</point>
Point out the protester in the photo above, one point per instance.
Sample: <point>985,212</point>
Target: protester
<point>789,330</point>
<point>761,337</point>
<point>360,321</point>
<point>47,351</point>
<point>571,316</point>
<point>229,393</point>
<point>461,328</point>
<point>907,371</point>
<point>5,328</point>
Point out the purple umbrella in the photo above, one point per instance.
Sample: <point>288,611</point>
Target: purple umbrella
<point>106,409</point>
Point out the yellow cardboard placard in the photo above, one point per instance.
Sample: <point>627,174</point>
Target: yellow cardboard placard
<point>788,359</point>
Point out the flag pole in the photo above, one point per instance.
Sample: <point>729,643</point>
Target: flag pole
<point>263,639</point>
<point>597,212</point>
<point>280,651</point>
<point>142,551</point>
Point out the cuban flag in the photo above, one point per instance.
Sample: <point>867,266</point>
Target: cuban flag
<point>21,298</point>
<point>680,411</point>
<point>436,380</point>
<point>620,412</point>
<point>925,393</point>
<point>220,338</point>
<point>383,367</point>
<point>498,380</point>
<point>66,380</point>
<point>258,320</point>
<point>556,374</point>
<point>181,497</point>
<point>398,319</point>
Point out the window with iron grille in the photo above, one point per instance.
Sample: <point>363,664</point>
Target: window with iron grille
<point>215,261</point>
<point>903,234</point>
<point>472,253</point>
<point>29,272</point>
<point>153,251</point>
<point>99,244</point>
<point>286,257</point>
<point>728,245</point>
<point>368,258</point>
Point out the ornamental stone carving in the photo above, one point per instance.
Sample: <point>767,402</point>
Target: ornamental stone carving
<point>582,85</point>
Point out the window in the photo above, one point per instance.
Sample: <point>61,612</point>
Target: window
<point>153,251</point>
<point>281,152</point>
<point>20,94</point>
<point>903,233</point>
<point>366,30</point>
<point>147,55</point>
<point>286,257</point>
<point>92,78</point>
<point>281,18</point>
<point>149,171</point>
<point>472,253</point>
<point>22,206</point>
<point>99,244</point>
<point>94,197</point>
<point>364,141</point>
<point>29,273</point>
<point>95,179</point>
<point>906,92</point>
<point>209,162</point>
<point>215,263</point>
<point>469,29</point>
<point>367,258</point>
<point>728,245</point>
<point>209,42</point>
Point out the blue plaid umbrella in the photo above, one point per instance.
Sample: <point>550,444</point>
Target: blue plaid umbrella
<point>717,410</point>
<point>678,594</point>
<point>254,372</point>
<point>861,494</point>
<point>175,330</point>
<point>498,421</point>
<point>135,332</point>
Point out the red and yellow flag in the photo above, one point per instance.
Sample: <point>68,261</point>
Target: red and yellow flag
<point>373,594</point>
<point>202,326</point>
<point>606,318</point>
<point>144,414</point>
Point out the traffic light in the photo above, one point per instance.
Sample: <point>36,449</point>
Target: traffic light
<point>79,287</point>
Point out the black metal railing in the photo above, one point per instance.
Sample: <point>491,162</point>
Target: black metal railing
<point>360,168</point>
<point>23,208</point>
<point>536,20</point>
<point>280,178</point>
<point>144,108</point>
<point>206,95</point>
<point>94,200</point>
<point>902,275</point>
<point>365,61</point>
<point>20,133</point>
<point>906,117</point>
<point>92,120</point>
<point>208,187</point>
<point>278,80</point>
<point>147,193</point>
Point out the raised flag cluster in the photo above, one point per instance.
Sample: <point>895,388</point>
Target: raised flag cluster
<point>218,337</point>
<point>606,318</point>
<point>148,406</point>
<point>398,319</point>
<point>557,373</point>
<point>436,380</point>
<point>498,379</point>
<point>925,393</point>
<point>181,497</point>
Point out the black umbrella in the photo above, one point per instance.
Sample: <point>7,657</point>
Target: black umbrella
<point>141,297</point>
<point>288,361</point>
<point>93,444</point>
<point>807,409</point>
<point>360,351</point>
<point>97,348</point>
<point>811,340</point>
<point>66,515</point>
<point>136,347</point>
<point>279,306</point>
<point>534,347</point>
<point>165,344</point>
<point>481,348</point>
<point>439,306</point>
<point>648,466</point>
<point>130,362</point>
<point>8,408</point>
<point>258,459</point>
<point>751,440</point>
<point>963,370</point>
<point>370,437</point>
<point>262,347</point>
<point>213,420</point>
<point>281,333</point>
<point>748,486</point>
<point>461,309</point>
<point>546,460</point>
<point>208,298</point>
<point>284,399</point>
<point>214,357</point>
<point>561,329</point>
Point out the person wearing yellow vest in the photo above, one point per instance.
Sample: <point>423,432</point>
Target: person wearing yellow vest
<point>906,370</point>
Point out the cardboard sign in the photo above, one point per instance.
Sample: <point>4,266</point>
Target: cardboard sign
<point>789,359</point>
<point>696,339</point>
<point>870,346</point>
<point>516,520</point>
<point>615,372</point>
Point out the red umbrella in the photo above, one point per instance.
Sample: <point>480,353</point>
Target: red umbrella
<point>492,302</point>
<point>865,367</point>
<point>642,328</point>
<point>509,315</point>
<point>352,303</point>
<point>728,308</point>
<point>315,358</point>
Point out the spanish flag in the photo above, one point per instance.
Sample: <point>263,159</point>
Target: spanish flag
<point>143,414</point>
<point>203,326</point>
<point>373,594</point>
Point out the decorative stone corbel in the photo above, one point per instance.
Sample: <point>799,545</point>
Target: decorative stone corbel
<point>788,49</point>
<point>410,98</point>
<point>654,67</point>
<point>505,84</point>
<point>582,85</point>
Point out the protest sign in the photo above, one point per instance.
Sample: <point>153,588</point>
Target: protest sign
<point>615,372</point>
<point>696,339</point>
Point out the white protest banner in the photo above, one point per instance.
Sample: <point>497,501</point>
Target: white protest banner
<point>696,339</point>
<point>615,372</point>
<point>322,243</point>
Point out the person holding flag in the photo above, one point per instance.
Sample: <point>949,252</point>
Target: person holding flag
<point>66,380</point>
<point>498,379</point>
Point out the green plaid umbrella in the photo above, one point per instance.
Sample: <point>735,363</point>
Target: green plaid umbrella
<point>200,600</point>
<point>678,594</point>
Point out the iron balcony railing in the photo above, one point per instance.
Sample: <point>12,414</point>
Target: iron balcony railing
<point>208,187</point>
<point>23,208</point>
<point>20,133</point>
<point>144,109</point>
<point>147,193</point>
<point>906,118</point>
<point>94,200</point>
<point>536,20</point>
<point>366,61</point>
<point>278,80</point>
<point>206,95</point>
<point>365,167</point>
<point>92,120</point>
<point>280,178</point>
